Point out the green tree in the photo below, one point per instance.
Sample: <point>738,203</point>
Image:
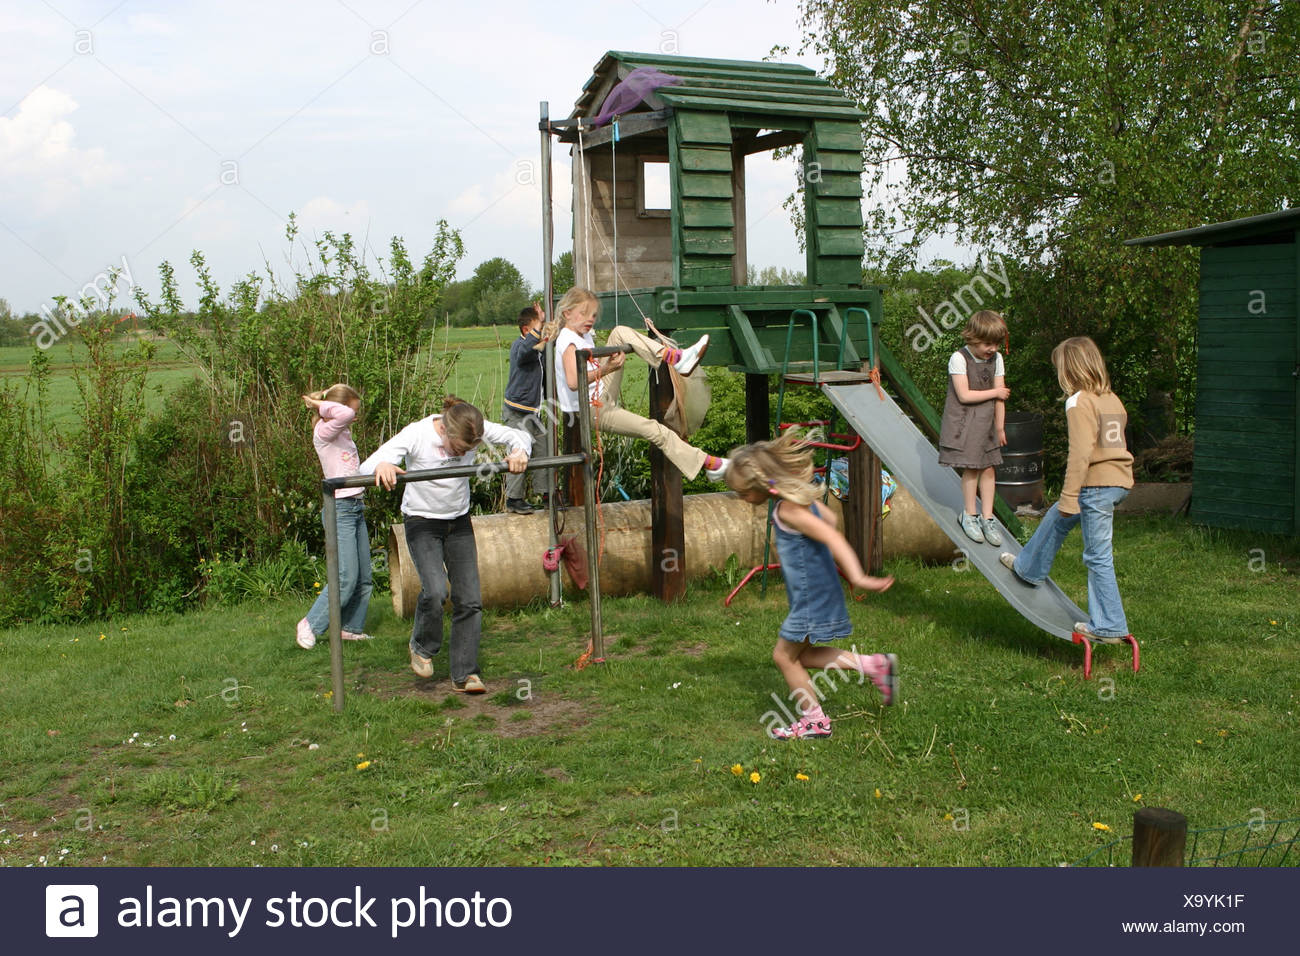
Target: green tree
<point>562,278</point>
<point>498,291</point>
<point>1052,130</point>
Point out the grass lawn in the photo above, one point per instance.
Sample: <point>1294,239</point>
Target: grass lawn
<point>209,739</point>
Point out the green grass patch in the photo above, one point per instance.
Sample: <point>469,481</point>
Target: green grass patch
<point>210,739</point>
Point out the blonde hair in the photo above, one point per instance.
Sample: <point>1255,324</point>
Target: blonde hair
<point>338,392</point>
<point>570,300</point>
<point>985,326</point>
<point>462,421</point>
<point>783,467</point>
<point>1080,367</point>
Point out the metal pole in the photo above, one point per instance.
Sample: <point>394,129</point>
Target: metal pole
<point>549,404</point>
<point>330,514</point>
<point>589,507</point>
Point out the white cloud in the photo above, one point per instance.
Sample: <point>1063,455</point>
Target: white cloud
<point>148,25</point>
<point>323,212</point>
<point>38,156</point>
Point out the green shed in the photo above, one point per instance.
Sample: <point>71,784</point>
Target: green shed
<point>1246,466</point>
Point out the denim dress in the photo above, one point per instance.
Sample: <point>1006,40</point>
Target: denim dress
<point>812,584</point>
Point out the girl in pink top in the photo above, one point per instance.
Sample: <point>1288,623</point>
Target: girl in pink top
<point>335,408</point>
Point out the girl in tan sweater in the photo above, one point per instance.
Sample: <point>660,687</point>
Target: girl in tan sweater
<point>1098,476</point>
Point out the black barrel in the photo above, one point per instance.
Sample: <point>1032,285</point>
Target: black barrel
<point>1020,476</point>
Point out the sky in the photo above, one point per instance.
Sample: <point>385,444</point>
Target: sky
<point>135,132</point>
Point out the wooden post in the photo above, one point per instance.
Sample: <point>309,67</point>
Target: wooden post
<point>862,508</point>
<point>667,529</point>
<point>1159,837</point>
<point>758,418</point>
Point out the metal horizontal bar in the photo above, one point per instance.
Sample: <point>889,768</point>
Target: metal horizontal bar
<point>601,351</point>
<point>454,471</point>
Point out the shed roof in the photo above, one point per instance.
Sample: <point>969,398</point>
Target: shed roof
<point>1235,230</point>
<point>745,86</point>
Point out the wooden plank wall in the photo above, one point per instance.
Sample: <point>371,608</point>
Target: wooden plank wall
<point>704,224</point>
<point>645,244</point>
<point>1244,468</point>
<point>833,202</point>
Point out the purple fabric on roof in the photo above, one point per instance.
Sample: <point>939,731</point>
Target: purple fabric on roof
<point>632,92</point>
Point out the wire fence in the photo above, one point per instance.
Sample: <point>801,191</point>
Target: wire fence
<point>1255,844</point>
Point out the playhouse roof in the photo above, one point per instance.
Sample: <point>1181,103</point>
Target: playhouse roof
<point>730,86</point>
<point>1235,230</point>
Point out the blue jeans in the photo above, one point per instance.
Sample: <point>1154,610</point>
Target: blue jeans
<point>354,570</point>
<point>1096,514</point>
<point>446,558</point>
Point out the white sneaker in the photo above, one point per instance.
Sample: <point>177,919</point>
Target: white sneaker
<point>1085,629</point>
<point>991,534</point>
<point>423,666</point>
<point>691,356</point>
<point>719,473</point>
<point>306,637</point>
<point>354,636</point>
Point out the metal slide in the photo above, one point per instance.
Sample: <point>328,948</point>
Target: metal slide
<point>914,462</point>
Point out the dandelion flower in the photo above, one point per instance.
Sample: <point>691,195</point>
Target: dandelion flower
<point>948,816</point>
<point>801,776</point>
<point>755,777</point>
<point>363,765</point>
<point>1137,797</point>
<point>1274,623</point>
<point>103,637</point>
<point>361,756</point>
<point>1101,826</point>
<point>878,793</point>
<point>737,769</point>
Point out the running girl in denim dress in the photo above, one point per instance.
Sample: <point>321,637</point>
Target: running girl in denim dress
<point>810,547</point>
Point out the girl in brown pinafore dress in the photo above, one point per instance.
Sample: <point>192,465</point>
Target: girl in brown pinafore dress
<point>972,433</point>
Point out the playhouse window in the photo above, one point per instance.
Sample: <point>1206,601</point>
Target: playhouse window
<point>653,194</point>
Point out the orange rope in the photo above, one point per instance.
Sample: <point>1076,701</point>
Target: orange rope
<point>875,380</point>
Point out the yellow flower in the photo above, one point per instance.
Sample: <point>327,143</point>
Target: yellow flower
<point>1101,826</point>
<point>1200,741</point>
<point>878,793</point>
<point>947,816</point>
<point>1274,623</point>
<point>1223,733</point>
<point>328,694</point>
<point>755,777</point>
<point>801,776</point>
<point>737,769</point>
<point>315,584</point>
<point>361,756</point>
<point>363,765</point>
<point>1137,797</point>
<point>103,637</point>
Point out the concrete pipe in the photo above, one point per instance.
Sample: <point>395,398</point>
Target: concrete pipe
<point>510,547</point>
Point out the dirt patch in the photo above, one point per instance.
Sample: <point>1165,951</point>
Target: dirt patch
<point>499,711</point>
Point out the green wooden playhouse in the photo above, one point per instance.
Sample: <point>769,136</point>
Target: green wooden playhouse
<point>684,265</point>
<point>1246,466</point>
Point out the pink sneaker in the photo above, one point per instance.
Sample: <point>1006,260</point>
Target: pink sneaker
<point>884,675</point>
<point>306,637</point>
<point>804,727</point>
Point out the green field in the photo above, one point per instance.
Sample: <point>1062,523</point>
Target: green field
<point>209,739</point>
<point>169,370</point>
<point>478,376</point>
